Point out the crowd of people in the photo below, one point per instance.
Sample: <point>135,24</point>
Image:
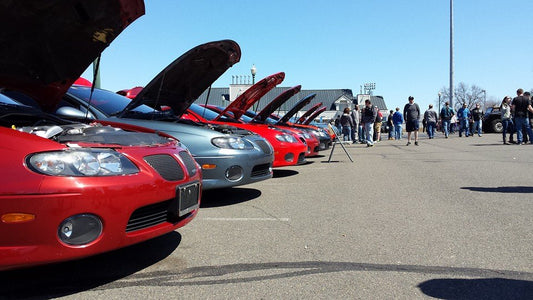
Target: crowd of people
<point>364,125</point>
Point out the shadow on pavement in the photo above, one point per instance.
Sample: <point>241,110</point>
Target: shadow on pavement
<point>255,272</point>
<point>72,277</point>
<point>229,196</point>
<point>284,173</point>
<point>490,288</point>
<point>501,189</point>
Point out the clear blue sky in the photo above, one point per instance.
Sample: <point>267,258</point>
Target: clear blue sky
<point>402,46</point>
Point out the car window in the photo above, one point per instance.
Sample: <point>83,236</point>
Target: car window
<point>106,101</point>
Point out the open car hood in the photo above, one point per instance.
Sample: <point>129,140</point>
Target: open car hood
<point>242,103</point>
<point>296,108</point>
<point>186,78</point>
<point>313,116</point>
<point>46,45</point>
<point>309,112</point>
<point>262,116</point>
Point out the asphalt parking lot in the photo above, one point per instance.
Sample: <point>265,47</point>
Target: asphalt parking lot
<point>450,219</point>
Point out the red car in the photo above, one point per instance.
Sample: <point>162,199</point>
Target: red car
<point>289,149</point>
<point>318,140</point>
<point>71,190</point>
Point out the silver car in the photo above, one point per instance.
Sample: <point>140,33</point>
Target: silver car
<point>229,156</point>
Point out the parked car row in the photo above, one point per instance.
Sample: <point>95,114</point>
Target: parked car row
<point>87,170</point>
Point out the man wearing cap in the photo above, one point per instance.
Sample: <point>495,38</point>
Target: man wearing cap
<point>411,113</point>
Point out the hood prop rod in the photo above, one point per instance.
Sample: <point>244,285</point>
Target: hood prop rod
<point>206,101</point>
<point>96,69</point>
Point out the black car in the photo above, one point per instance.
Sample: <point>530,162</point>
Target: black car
<point>492,121</point>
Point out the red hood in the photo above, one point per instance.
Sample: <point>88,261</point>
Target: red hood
<point>187,77</point>
<point>309,112</point>
<point>240,105</point>
<point>313,116</point>
<point>262,116</point>
<point>46,45</point>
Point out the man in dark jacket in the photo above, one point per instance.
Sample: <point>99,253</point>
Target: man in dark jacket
<point>521,105</point>
<point>477,115</point>
<point>368,116</point>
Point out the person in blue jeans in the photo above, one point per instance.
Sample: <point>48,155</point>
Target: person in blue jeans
<point>521,105</point>
<point>397,120</point>
<point>430,116</point>
<point>477,115</point>
<point>446,114</point>
<point>463,114</point>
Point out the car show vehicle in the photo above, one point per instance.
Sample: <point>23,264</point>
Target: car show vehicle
<point>492,120</point>
<point>67,187</point>
<point>266,116</point>
<point>288,148</point>
<point>229,156</point>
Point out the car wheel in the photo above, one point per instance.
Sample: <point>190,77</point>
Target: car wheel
<point>497,126</point>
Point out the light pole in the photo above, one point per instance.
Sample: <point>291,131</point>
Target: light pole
<point>451,54</point>
<point>253,70</point>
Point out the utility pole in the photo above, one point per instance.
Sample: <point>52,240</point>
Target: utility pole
<point>451,54</point>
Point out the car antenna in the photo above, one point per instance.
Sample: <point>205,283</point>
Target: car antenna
<point>96,69</point>
<point>206,101</point>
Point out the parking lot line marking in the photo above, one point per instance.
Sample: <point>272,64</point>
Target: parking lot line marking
<point>247,219</point>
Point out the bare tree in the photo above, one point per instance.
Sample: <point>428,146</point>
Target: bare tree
<point>471,95</point>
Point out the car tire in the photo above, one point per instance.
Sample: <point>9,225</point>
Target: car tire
<point>496,126</point>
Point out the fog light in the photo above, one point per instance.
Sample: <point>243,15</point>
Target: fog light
<point>234,173</point>
<point>289,157</point>
<point>80,229</point>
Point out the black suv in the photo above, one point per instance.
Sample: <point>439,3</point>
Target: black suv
<point>492,121</point>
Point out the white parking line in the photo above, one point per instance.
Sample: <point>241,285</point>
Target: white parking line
<point>246,219</point>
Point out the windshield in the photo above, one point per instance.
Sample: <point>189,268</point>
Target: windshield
<point>6,100</point>
<point>209,114</point>
<point>106,101</point>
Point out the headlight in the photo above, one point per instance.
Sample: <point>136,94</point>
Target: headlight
<point>286,138</point>
<point>231,143</point>
<point>87,162</point>
<point>306,135</point>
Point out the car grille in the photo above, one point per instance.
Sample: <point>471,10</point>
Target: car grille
<point>166,166</point>
<point>264,146</point>
<point>261,170</point>
<point>189,162</point>
<point>149,216</point>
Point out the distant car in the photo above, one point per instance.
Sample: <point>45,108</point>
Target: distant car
<point>492,121</point>
<point>229,156</point>
<point>71,190</point>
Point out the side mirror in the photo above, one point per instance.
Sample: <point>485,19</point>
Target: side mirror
<point>73,113</point>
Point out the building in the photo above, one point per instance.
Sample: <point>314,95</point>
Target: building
<point>334,99</point>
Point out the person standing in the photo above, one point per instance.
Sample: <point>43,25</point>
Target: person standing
<point>346,123</point>
<point>521,105</point>
<point>397,119</point>
<point>368,116</point>
<point>477,115</point>
<point>463,114</point>
<point>377,125</point>
<point>430,116</point>
<point>355,120</point>
<point>446,114</point>
<point>411,111</point>
<point>507,123</point>
<point>390,124</point>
